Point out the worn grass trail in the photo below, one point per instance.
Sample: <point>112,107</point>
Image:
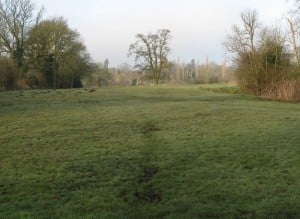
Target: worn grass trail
<point>148,152</point>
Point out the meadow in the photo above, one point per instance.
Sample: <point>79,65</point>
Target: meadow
<point>200,151</point>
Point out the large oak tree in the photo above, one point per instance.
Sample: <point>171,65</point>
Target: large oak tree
<point>151,52</point>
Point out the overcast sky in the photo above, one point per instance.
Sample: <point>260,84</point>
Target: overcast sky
<point>198,27</point>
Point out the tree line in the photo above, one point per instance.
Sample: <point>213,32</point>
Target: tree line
<point>176,72</point>
<point>37,52</point>
<point>266,60</point>
<point>47,53</point>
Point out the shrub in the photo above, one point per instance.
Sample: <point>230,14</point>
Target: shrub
<point>22,84</point>
<point>269,65</point>
<point>35,79</point>
<point>261,56</point>
<point>8,74</point>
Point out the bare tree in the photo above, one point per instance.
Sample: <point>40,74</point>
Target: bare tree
<point>16,18</point>
<point>242,40</point>
<point>241,44</point>
<point>151,52</point>
<point>294,39</point>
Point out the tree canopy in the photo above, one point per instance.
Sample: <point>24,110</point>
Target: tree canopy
<point>16,19</point>
<point>45,53</point>
<point>151,52</point>
<point>56,50</point>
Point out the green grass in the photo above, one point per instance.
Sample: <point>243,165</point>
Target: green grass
<point>148,152</point>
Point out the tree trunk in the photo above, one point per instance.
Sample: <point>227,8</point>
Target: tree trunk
<point>294,41</point>
<point>72,81</point>
<point>55,68</point>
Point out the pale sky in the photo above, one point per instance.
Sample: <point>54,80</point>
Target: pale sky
<point>198,27</point>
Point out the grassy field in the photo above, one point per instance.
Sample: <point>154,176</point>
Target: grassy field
<point>148,152</point>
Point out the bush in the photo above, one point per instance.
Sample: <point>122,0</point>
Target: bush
<point>35,80</point>
<point>269,65</point>
<point>8,74</point>
<point>261,55</point>
<point>22,84</point>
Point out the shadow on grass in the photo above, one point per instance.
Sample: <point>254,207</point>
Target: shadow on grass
<point>147,191</point>
<point>144,190</point>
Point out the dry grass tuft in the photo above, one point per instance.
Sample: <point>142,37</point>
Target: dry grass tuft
<point>92,90</point>
<point>284,91</point>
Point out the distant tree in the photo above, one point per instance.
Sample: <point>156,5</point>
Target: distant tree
<point>16,19</point>
<point>151,53</point>
<point>106,63</point>
<point>124,68</point>
<point>56,51</point>
<point>191,71</point>
<point>224,72</point>
<point>100,75</point>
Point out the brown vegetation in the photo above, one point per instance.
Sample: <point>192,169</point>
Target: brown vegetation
<point>285,91</point>
<point>92,90</point>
